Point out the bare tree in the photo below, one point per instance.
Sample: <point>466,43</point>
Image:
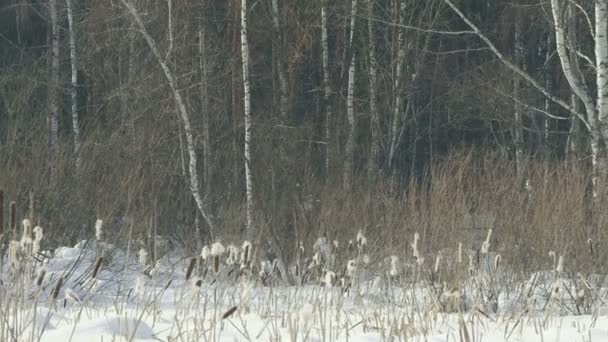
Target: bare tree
<point>204,95</point>
<point>518,133</point>
<point>247,107</point>
<point>74,84</point>
<point>595,121</point>
<point>194,186</point>
<point>283,95</point>
<point>350,103</point>
<point>397,85</point>
<point>326,84</point>
<point>53,116</point>
<point>374,155</point>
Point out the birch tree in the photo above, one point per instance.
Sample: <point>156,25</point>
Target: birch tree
<point>596,118</point>
<point>74,84</point>
<point>53,116</point>
<point>350,103</point>
<point>184,115</point>
<point>326,84</point>
<point>374,154</point>
<point>397,85</point>
<point>518,133</point>
<point>204,95</point>
<point>247,108</point>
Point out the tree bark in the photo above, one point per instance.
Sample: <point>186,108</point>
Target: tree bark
<point>601,60</point>
<point>283,98</point>
<point>518,127</point>
<point>247,108</point>
<point>204,93</point>
<point>53,117</point>
<point>74,84</point>
<point>192,165</point>
<point>326,85</point>
<point>397,80</point>
<point>374,154</point>
<point>350,105</point>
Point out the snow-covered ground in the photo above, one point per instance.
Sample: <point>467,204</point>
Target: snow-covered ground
<point>129,300</point>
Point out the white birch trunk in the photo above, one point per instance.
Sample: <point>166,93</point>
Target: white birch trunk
<point>204,93</point>
<point>74,84</point>
<point>394,133</point>
<point>53,117</point>
<point>601,59</point>
<point>350,105</point>
<point>374,155</point>
<point>247,107</point>
<point>517,130</point>
<point>326,85</point>
<point>192,164</point>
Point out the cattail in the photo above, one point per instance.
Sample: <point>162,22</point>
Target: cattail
<point>460,252</point>
<point>229,312</point>
<point>497,260</point>
<point>14,249</point>
<point>365,259</point>
<point>38,235</point>
<point>485,247</point>
<point>143,257</point>
<point>1,212</point>
<point>216,264</point>
<point>190,268</point>
<point>560,264</point>
<point>590,244</point>
<point>97,267</point>
<point>416,253</point>
<point>57,288</point>
<point>27,230</point>
<point>437,263</point>
<point>205,252</point>
<point>351,267</point>
<point>554,256</point>
<point>328,280</point>
<point>99,229</point>
<point>245,256</point>
<point>13,217</point>
<point>471,264</point>
<point>395,266</point>
<point>40,276</point>
<point>361,240</point>
<point>233,255</point>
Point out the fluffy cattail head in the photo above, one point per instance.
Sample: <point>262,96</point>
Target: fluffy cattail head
<point>329,278</point>
<point>27,229</point>
<point>99,229</point>
<point>395,269</point>
<point>361,240</point>
<point>485,247</point>
<point>205,252</point>
<point>38,233</point>
<point>143,257</point>
<point>351,267</point>
<point>460,252</point>
<point>217,249</point>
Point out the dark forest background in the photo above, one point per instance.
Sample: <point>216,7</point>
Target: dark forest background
<point>462,118</point>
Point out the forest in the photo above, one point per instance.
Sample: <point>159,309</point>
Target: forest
<point>285,120</point>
